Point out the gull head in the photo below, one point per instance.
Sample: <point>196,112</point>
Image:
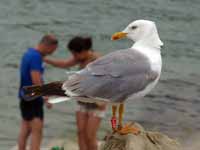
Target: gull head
<point>141,32</point>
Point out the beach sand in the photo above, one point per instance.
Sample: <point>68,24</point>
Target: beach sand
<point>68,144</point>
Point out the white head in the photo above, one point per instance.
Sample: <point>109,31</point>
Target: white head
<point>141,32</point>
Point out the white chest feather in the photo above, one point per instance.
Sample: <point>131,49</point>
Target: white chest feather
<point>156,65</point>
<point>153,55</point>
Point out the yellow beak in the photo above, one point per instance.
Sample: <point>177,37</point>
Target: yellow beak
<point>118,35</point>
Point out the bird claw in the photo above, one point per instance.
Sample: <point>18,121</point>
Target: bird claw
<point>128,129</point>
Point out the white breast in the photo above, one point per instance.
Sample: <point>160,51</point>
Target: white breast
<point>154,57</point>
<point>156,65</point>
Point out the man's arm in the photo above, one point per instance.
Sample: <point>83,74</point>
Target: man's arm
<point>37,80</point>
<point>61,63</point>
<point>36,77</point>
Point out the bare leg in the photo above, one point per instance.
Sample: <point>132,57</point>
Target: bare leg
<point>92,128</point>
<point>23,135</point>
<point>82,118</point>
<point>36,136</point>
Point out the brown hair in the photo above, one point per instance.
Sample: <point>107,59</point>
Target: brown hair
<point>79,44</point>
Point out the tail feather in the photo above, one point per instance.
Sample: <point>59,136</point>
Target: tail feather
<point>50,89</point>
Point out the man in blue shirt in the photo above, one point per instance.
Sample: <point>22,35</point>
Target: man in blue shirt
<point>31,73</point>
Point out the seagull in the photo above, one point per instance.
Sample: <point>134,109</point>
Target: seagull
<point>121,75</point>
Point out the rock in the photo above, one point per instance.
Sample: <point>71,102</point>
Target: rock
<point>146,140</point>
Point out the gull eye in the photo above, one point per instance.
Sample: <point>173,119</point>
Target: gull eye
<point>133,27</point>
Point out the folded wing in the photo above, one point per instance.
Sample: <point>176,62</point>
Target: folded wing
<point>113,77</point>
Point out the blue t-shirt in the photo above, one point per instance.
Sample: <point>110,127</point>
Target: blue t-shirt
<point>31,60</point>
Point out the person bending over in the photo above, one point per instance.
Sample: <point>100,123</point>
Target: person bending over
<point>31,73</point>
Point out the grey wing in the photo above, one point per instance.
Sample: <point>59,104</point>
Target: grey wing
<point>113,77</point>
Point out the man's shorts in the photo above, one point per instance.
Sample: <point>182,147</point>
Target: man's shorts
<point>32,109</point>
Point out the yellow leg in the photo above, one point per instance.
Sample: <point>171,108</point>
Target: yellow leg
<point>113,119</point>
<point>114,110</point>
<point>126,129</point>
<point>121,112</point>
